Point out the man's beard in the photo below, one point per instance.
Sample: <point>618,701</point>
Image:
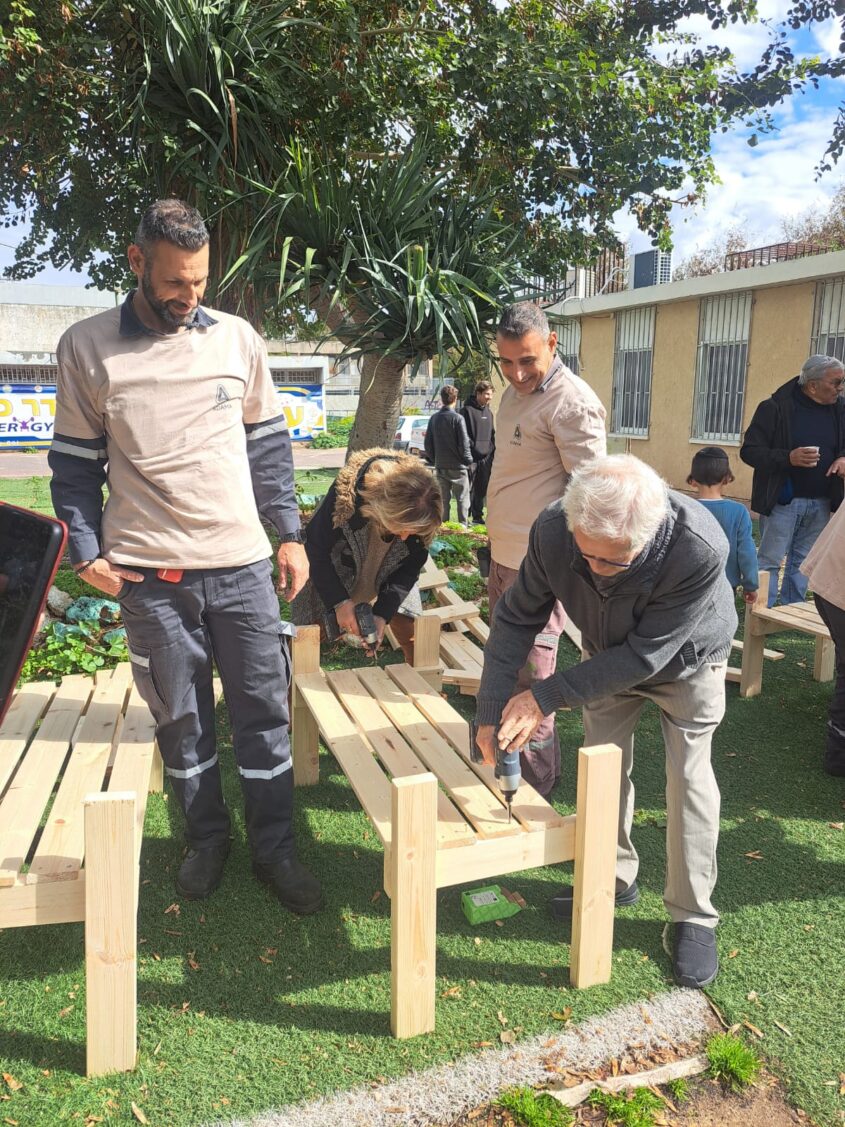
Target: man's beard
<point>161,308</point>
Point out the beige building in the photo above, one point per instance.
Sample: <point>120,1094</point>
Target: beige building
<point>684,365</point>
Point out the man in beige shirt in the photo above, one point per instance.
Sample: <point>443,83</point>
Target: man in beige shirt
<point>549,422</point>
<point>175,408</point>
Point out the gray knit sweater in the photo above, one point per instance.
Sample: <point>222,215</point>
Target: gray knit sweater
<point>659,621</point>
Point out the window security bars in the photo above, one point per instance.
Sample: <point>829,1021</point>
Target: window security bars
<point>569,343</point>
<point>829,319</point>
<point>632,360</point>
<point>721,368</point>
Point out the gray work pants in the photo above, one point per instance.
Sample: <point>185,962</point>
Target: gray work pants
<point>690,712</point>
<point>174,631</point>
<point>454,483</point>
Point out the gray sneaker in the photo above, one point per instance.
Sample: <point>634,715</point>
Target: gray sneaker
<point>695,961</point>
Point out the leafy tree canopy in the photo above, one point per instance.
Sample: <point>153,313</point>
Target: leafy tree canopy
<point>564,110</point>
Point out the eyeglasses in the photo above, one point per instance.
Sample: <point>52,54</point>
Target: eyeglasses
<point>608,563</point>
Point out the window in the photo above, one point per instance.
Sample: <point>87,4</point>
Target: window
<point>632,372</point>
<point>34,374</point>
<point>569,342</point>
<point>829,319</point>
<point>720,368</point>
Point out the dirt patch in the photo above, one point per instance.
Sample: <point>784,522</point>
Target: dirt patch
<point>707,1105</point>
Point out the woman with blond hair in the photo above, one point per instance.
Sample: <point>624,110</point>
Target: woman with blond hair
<point>368,542</point>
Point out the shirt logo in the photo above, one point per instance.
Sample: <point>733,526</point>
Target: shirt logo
<point>517,436</point>
<point>223,398</point>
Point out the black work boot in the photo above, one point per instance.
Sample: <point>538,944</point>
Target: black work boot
<point>201,871</point>
<point>297,889</point>
<point>695,962</point>
<point>561,905</point>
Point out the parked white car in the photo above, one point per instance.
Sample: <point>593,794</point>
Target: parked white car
<point>410,433</point>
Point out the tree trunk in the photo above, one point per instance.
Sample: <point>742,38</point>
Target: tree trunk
<point>380,403</point>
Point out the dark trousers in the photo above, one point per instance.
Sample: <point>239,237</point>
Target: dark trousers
<point>834,619</point>
<point>174,630</point>
<point>479,479</point>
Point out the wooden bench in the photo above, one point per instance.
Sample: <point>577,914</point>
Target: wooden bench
<point>76,764</point>
<point>441,818</point>
<point>761,620</point>
<point>446,635</point>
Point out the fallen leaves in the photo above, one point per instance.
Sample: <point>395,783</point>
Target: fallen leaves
<point>754,855</point>
<point>836,825</point>
<point>138,1113</point>
<point>562,1015</point>
<point>11,1083</point>
<point>783,1028</point>
<point>753,1029</point>
<point>173,910</point>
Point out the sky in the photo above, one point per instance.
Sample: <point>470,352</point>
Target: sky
<point>759,186</point>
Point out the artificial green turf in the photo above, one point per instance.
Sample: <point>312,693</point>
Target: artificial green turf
<point>280,1009</point>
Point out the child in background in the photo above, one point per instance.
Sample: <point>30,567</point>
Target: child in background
<point>709,474</point>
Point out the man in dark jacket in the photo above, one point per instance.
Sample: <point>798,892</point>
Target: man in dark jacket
<point>796,444</point>
<point>640,571</point>
<point>447,448</point>
<point>482,443</point>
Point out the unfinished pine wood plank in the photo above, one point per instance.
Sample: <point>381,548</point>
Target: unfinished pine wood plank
<point>529,808</point>
<point>734,676</point>
<point>453,612</point>
<point>27,708</point>
<point>353,754</point>
<point>111,896</point>
<point>427,631</point>
<point>55,902</point>
<point>431,578</point>
<point>474,799</point>
<point>596,820</point>
<point>305,748</point>
<point>413,906</point>
<point>497,856</point>
<point>133,761</point>
<point>62,845</point>
<point>824,660</point>
<point>572,632</point>
<point>395,754</point>
<point>456,657</point>
<point>30,790</point>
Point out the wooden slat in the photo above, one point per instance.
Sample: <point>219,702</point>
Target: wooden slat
<point>787,618</point>
<point>430,579</point>
<point>62,845</point>
<point>572,632</point>
<point>529,808</point>
<point>30,790</point>
<point>452,612</point>
<point>350,750</point>
<point>772,655</point>
<point>474,655</point>
<point>500,855</point>
<point>397,757</point>
<point>133,761</point>
<point>474,799</point>
<point>25,711</point>
<point>54,902</point>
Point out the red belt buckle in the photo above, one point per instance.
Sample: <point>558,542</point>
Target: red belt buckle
<point>170,574</point>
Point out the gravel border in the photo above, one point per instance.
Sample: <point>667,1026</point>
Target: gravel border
<point>441,1094</point>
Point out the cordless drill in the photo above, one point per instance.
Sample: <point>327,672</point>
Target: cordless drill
<point>366,624</point>
<point>507,770</point>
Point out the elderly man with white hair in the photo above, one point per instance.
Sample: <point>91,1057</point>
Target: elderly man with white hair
<point>640,570</point>
<point>796,444</point>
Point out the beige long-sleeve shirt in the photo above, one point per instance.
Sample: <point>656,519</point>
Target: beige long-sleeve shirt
<point>540,439</point>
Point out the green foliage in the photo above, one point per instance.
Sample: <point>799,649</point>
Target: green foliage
<point>468,584</point>
<point>328,441</point>
<point>636,1109</point>
<point>732,1061</point>
<point>82,652</point>
<point>535,1109</point>
<point>451,549</point>
<point>68,581</point>
<point>679,1089</point>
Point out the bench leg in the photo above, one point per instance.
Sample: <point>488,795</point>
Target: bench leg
<point>413,905</point>
<point>427,650</point>
<point>111,901</point>
<point>157,773</point>
<point>305,736</point>
<point>596,827</point>
<point>824,660</point>
<point>754,644</point>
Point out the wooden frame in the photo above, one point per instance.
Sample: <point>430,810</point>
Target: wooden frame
<point>93,742</point>
<point>441,818</point>
<point>761,620</point>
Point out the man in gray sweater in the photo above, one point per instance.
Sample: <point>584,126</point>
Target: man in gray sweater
<point>640,570</point>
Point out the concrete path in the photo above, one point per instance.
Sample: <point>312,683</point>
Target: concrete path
<point>15,464</point>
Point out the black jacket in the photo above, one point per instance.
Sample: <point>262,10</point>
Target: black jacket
<point>768,441</point>
<point>446,441</point>
<point>479,424</point>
